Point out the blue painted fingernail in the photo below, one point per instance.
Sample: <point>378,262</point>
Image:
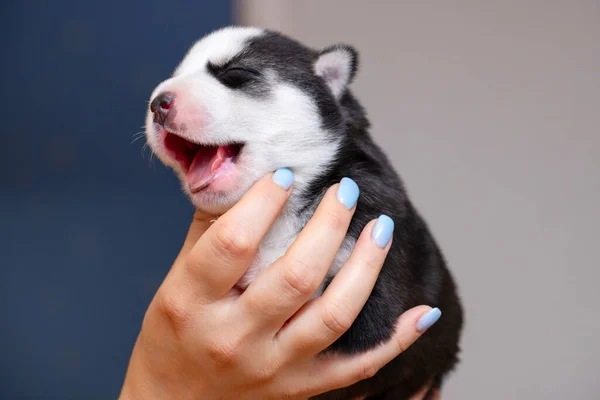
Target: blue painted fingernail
<point>428,319</point>
<point>284,177</point>
<point>383,230</point>
<point>347,192</point>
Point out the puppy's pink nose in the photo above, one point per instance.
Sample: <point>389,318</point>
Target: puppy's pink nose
<point>161,105</point>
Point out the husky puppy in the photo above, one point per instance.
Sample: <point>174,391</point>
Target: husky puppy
<point>246,101</point>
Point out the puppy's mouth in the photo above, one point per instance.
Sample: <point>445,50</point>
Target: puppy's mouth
<point>202,163</point>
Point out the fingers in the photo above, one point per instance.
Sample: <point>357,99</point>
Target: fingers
<point>433,394</point>
<point>340,371</point>
<point>326,318</point>
<point>285,286</point>
<point>224,252</point>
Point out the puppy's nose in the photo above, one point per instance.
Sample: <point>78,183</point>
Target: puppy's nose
<point>161,105</point>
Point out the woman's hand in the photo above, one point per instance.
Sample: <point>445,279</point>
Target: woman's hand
<point>201,338</point>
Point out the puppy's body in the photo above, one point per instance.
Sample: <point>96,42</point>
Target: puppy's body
<point>245,102</point>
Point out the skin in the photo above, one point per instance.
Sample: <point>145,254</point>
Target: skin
<point>202,338</point>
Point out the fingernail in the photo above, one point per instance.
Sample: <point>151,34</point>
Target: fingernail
<point>383,230</point>
<point>284,177</point>
<point>347,192</point>
<point>428,319</point>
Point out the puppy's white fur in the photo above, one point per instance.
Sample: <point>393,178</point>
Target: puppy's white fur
<point>280,130</point>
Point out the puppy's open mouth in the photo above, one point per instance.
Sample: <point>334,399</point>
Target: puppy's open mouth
<point>202,163</point>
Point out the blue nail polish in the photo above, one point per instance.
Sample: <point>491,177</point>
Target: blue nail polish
<point>284,177</point>
<point>383,230</point>
<point>428,319</point>
<point>347,192</point>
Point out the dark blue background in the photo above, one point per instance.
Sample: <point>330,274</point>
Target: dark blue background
<point>89,226</point>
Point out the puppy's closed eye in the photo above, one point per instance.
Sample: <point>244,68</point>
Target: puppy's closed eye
<point>235,78</point>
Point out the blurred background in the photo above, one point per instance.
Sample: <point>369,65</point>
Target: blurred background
<point>489,111</point>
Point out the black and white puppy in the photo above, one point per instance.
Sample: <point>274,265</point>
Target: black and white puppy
<point>247,101</point>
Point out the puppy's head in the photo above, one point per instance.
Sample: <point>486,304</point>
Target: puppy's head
<point>244,102</point>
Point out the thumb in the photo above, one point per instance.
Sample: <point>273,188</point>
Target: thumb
<point>200,223</point>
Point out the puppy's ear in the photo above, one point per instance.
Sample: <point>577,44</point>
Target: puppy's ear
<point>337,65</point>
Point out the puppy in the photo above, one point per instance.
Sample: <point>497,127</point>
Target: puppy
<point>246,101</point>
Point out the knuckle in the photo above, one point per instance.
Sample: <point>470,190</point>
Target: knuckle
<point>367,370</point>
<point>252,304</point>
<point>285,390</point>
<point>271,198</point>
<point>336,318</point>
<point>401,346</point>
<point>290,392</point>
<point>335,221</point>
<point>297,279</point>
<point>372,264</point>
<point>262,375</point>
<point>233,241</point>
<point>176,307</point>
<point>224,352</point>
<point>222,355</point>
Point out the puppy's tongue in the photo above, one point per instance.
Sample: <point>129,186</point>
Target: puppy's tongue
<point>205,164</point>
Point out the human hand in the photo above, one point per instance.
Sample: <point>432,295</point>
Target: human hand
<point>201,338</point>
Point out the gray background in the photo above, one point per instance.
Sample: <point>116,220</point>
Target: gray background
<point>491,113</point>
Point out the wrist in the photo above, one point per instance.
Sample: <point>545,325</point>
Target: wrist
<point>141,381</point>
<point>139,384</point>
<point>145,380</point>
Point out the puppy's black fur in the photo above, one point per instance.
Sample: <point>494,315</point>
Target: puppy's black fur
<point>415,271</point>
